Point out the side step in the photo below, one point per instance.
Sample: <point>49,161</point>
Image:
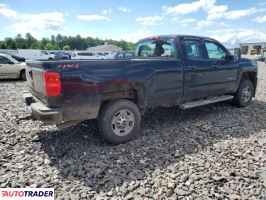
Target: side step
<point>206,101</point>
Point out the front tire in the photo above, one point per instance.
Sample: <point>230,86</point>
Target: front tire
<point>244,94</point>
<point>119,121</point>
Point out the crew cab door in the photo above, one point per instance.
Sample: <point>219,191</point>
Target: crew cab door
<point>198,70</point>
<point>160,60</point>
<point>209,70</point>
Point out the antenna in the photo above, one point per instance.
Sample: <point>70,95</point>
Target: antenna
<point>237,42</point>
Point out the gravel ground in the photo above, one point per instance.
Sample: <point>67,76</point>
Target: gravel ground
<point>211,152</point>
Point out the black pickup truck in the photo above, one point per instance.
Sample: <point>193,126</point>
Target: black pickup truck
<point>172,70</point>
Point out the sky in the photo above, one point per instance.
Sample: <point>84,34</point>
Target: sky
<point>229,21</point>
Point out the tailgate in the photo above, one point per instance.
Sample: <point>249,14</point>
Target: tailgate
<point>34,73</point>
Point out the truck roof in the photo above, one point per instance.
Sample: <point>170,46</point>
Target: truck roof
<point>175,36</point>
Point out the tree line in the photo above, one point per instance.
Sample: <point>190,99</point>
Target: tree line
<point>59,42</point>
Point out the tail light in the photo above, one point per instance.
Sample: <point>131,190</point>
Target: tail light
<point>52,83</point>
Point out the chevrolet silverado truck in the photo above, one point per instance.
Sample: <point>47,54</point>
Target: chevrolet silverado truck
<point>174,70</point>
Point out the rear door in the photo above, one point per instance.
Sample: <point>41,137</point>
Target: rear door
<point>166,81</point>
<point>198,70</point>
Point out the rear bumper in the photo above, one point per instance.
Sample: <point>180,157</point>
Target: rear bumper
<point>41,112</point>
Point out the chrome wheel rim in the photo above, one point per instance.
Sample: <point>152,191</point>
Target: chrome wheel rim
<point>123,122</point>
<point>246,94</point>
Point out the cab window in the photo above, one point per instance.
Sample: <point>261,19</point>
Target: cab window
<point>193,49</point>
<point>44,53</point>
<point>163,49</point>
<point>4,60</point>
<point>215,51</point>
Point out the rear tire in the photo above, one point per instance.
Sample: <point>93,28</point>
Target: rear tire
<point>119,121</point>
<point>22,75</point>
<point>244,94</point>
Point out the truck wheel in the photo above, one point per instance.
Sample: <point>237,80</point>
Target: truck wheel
<point>244,94</point>
<point>119,121</point>
<point>22,75</point>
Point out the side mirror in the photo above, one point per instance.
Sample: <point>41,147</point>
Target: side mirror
<point>231,57</point>
<point>237,53</point>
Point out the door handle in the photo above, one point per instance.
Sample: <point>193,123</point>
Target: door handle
<point>192,67</point>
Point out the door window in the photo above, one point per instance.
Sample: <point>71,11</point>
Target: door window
<point>215,51</point>
<point>4,60</point>
<point>193,49</point>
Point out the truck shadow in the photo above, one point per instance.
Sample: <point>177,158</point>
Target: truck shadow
<point>167,135</point>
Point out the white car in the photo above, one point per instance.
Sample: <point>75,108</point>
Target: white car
<point>110,55</point>
<point>35,54</point>
<point>86,56</point>
<point>11,68</point>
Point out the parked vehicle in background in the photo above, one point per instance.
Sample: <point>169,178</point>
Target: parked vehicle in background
<point>11,68</point>
<point>84,55</point>
<point>124,55</point>
<point>260,57</point>
<point>109,55</point>
<point>174,70</point>
<point>61,56</point>
<point>16,57</point>
<point>35,54</point>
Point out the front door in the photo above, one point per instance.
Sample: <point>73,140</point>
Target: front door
<point>224,76</point>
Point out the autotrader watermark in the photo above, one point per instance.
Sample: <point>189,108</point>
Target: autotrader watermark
<point>27,193</point>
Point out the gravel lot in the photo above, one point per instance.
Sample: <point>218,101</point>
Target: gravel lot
<point>211,152</point>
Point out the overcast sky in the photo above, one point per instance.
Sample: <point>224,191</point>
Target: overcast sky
<point>131,20</point>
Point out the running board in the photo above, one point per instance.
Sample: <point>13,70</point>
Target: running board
<point>206,101</point>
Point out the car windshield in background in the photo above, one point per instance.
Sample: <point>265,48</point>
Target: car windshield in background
<point>156,49</point>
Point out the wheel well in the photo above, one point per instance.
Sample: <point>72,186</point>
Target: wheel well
<point>250,76</point>
<point>21,71</point>
<point>128,94</point>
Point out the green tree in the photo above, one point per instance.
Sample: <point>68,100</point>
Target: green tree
<point>8,42</point>
<point>66,47</point>
<point>3,45</point>
<point>49,46</point>
<point>59,42</point>
<point>13,45</point>
<point>24,46</point>
<point>19,40</point>
<point>53,40</point>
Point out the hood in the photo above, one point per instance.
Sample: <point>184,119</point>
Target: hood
<point>22,64</point>
<point>248,62</point>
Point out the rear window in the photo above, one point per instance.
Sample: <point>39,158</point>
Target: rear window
<point>156,49</point>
